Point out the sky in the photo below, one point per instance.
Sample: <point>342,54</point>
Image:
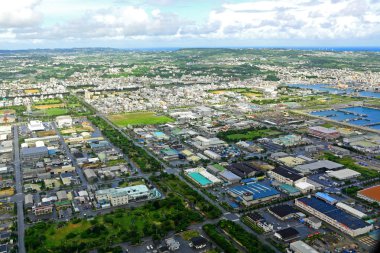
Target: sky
<point>26,24</point>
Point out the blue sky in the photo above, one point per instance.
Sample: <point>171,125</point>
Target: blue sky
<point>189,23</point>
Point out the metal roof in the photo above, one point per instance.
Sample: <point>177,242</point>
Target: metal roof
<point>334,213</point>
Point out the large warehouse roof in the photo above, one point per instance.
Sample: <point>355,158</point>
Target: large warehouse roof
<point>258,190</point>
<point>343,174</point>
<point>334,213</point>
<point>321,164</point>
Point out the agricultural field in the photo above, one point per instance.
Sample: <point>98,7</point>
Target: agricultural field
<point>139,118</point>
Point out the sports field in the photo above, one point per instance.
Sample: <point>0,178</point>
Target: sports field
<point>139,118</point>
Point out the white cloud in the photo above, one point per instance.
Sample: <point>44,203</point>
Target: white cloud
<point>298,19</point>
<point>20,13</point>
<point>31,20</point>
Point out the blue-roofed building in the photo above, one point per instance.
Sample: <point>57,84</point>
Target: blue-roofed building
<point>325,197</point>
<point>249,180</point>
<point>337,218</point>
<point>254,193</point>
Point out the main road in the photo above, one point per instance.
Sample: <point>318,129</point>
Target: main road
<point>19,197</point>
<point>72,158</point>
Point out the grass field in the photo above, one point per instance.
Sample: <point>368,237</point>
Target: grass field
<point>188,234</point>
<point>55,111</point>
<point>138,118</point>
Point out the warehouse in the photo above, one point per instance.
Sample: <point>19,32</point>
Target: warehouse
<point>215,168</point>
<point>326,198</point>
<point>323,132</point>
<point>351,210</point>
<point>371,194</point>
<point>202,177</point>
<point>321,165</point>
<point>243,170</point>
<point>282,212</point>
<point>286,176</point>
<point>64,121</point>
<point>90,175</point>
<point>287,234</point>
<point>335,217</point>
<point>301,247</point>
<point>121,196</point>
<point>230,177</point>
<point>212,155</point>
<point>288,189</point>
<point>253,193</point>
<point>34,153</point>
<point>343,174</point>
<point>304,187</point>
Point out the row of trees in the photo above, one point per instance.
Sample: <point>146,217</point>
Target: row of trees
<point>248,240</point>
<point>137,154</point>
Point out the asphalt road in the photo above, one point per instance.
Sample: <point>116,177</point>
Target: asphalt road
<point>72,158</point>
<point>19,197</point>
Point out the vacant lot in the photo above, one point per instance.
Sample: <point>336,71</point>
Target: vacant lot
<point>249,134</point>
<point>139,118</point>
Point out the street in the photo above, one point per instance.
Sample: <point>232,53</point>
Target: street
<point>19,197</point>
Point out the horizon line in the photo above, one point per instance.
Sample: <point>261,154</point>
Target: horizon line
<point>319,48</point>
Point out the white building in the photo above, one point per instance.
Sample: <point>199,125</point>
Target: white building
<point>301,247</point>
<point>36,125</point>
<point>122,196</point>
<point>343,174</point>
<point>64,121</point>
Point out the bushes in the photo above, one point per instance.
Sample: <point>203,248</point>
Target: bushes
<point>249,241</point>
<point>172,184</point>
<point>221,241</point>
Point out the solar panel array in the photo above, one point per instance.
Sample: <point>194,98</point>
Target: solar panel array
<point>333,212</point>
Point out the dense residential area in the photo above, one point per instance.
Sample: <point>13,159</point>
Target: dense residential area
<point>190,150</point>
